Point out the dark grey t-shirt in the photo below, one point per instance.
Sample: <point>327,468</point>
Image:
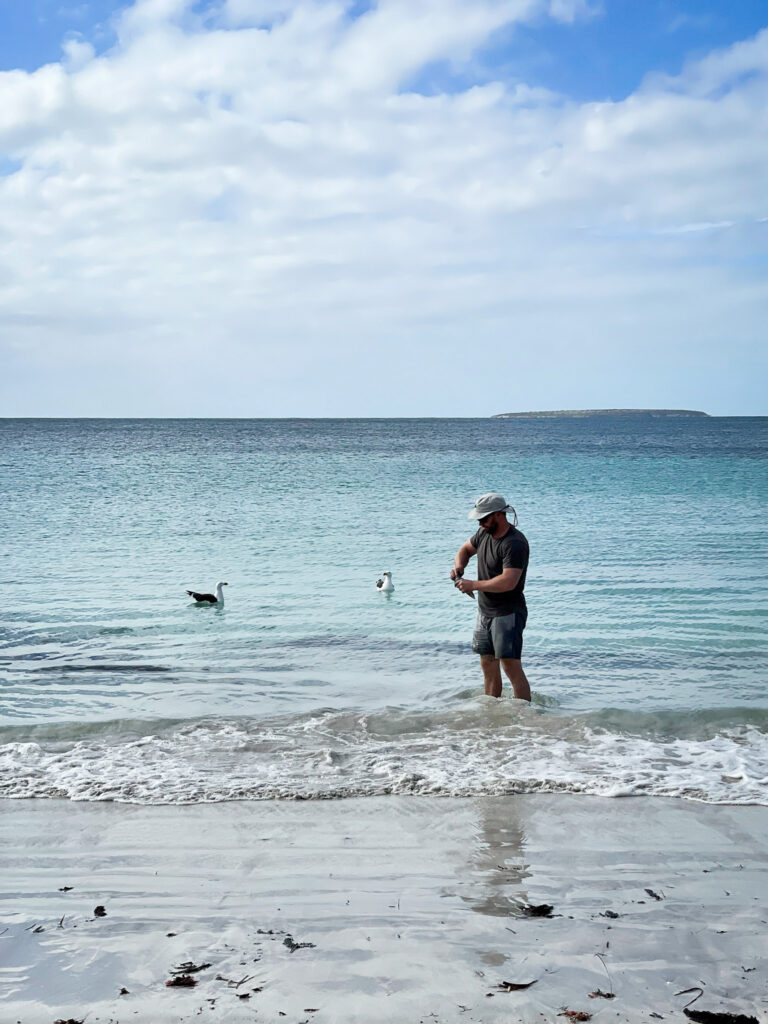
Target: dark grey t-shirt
<point>493,557</point>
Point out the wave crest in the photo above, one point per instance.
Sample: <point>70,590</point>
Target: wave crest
<point>478,749</point>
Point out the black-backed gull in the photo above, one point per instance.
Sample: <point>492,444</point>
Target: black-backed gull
<point>385,584</point>
<point>217,598</point>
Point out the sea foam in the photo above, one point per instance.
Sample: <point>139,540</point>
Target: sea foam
<point>476,750</point>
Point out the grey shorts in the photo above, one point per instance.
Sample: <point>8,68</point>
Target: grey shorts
<point>501,636</point>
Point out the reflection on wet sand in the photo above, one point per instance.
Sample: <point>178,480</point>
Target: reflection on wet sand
<point>497,864</point>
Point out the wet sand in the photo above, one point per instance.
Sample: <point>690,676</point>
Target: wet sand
<point>412,910</point>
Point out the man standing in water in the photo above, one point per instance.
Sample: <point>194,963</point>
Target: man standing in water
<point>502,562</point>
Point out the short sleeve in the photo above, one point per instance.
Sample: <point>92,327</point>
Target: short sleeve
<point>475,541</point>
<point>515,555</point>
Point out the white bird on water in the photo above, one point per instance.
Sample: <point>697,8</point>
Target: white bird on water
<point>385,584</point>
<point>217,598</point>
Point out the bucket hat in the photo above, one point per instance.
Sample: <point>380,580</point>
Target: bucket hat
<point>486,504</point>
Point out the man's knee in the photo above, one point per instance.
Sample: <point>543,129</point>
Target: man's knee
<point>491,669</point>
<point>512,666</point>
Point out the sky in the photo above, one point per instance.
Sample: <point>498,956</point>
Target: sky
<point>404,208</point>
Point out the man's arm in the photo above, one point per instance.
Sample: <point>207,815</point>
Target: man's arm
<point>508,580</point>
<point>463,555</point>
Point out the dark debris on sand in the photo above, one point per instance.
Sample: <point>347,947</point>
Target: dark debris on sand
<point>537,909</point>
<point>514,986</point>
<point>181,981</point>
<point>710,1017</point>
<point>290,944</point>
<point>189,968</point>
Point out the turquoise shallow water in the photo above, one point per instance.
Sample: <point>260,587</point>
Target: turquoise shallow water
<point>648,594</point>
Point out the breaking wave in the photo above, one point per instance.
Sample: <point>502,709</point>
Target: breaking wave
<point>473,748</point>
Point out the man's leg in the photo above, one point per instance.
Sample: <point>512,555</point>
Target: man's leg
<point>491,674</point>
<point>513,669</point>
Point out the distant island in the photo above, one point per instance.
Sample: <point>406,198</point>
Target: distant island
<point>586,413</point>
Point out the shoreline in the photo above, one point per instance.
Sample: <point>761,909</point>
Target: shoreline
<point>382,909</point>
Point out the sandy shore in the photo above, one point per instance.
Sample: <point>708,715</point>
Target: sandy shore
<point>411,910</point>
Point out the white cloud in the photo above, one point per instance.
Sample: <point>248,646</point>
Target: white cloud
<point>721,70</point>
<point>399,37</point>
<point>77,53</point>
<point>237,13</point>
<point>570,11</point>
<point>233,217</point>
<point>145,15</point>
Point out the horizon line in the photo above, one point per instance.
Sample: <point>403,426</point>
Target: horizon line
<point>713,416</point>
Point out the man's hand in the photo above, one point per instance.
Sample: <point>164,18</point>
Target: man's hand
<point>456,574</point>
<point>466,586</point>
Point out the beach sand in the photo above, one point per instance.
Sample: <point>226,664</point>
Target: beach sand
<point>411,908</point>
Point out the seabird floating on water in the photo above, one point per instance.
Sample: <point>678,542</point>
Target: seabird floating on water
<point>217,598</point>
<point>385,584</point>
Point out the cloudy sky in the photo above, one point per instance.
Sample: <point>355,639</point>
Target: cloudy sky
<point>410,207</point>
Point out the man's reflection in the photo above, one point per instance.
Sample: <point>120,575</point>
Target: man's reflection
<point>497,865</point>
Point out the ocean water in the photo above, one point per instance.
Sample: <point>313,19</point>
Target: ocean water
<point>646,646</point>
